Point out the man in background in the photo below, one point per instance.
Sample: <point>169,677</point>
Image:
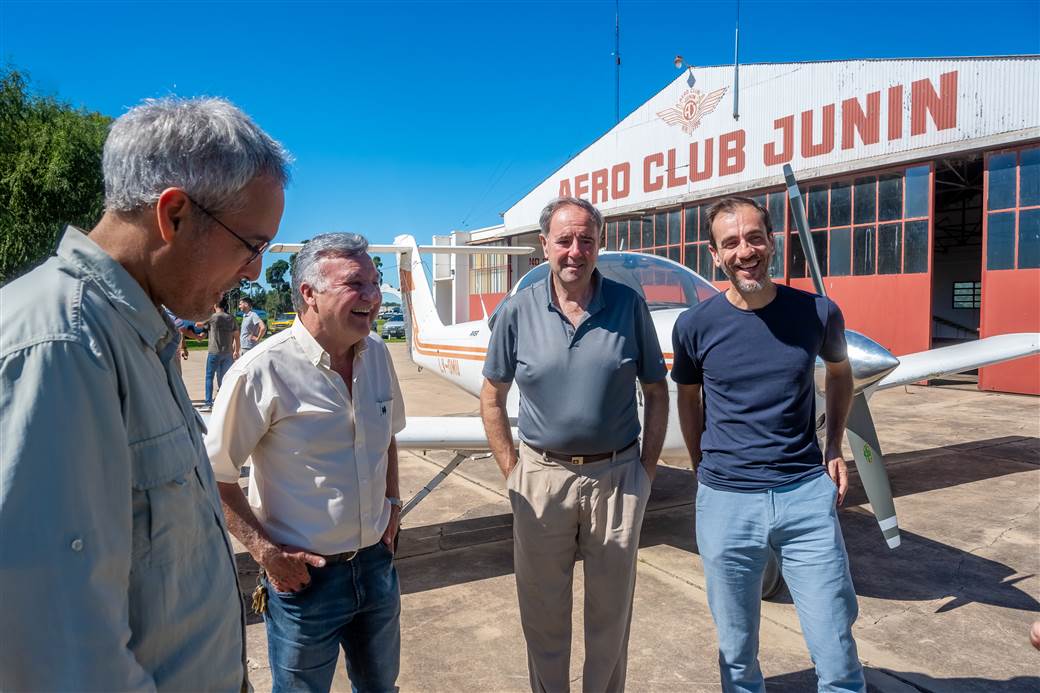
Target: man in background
<point>185,330</point>
<point>253,328</point>
<point>116,572</point>
<point>223,344</point>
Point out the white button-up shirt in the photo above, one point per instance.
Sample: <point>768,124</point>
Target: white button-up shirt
<point>319,454</point>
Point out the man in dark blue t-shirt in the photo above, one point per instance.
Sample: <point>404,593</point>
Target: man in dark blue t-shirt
<point>744,363</point>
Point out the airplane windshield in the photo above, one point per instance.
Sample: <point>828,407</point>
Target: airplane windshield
<point>661,282</point>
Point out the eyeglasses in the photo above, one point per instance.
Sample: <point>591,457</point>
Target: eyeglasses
<point>256,250</point>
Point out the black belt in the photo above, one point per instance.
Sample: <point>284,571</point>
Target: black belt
<point>579,459</point>
<point>345,557</point>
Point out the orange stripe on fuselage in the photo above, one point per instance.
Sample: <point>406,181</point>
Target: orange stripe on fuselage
<point>467,353</point>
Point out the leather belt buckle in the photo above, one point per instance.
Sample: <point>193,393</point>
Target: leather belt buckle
<point>578,459</point>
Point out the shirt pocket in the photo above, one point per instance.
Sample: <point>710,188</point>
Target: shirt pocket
<point>170,507</point>
<point>382,426</point>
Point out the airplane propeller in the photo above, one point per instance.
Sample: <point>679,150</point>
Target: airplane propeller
<point>870,362</point>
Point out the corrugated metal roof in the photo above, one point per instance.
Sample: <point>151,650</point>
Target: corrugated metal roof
<point>908,113</point>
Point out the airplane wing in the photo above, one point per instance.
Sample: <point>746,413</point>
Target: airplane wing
<point>958,358</point>
<point>444,433</point>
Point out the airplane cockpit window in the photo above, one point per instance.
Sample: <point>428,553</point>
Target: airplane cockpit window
<point>661,282</point>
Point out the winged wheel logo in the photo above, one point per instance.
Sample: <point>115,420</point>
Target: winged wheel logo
<point>693,105</point>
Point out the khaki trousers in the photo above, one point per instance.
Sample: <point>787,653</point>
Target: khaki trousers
<point>561,511</point>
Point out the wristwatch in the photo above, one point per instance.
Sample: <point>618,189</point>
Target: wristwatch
<point>395,501</point>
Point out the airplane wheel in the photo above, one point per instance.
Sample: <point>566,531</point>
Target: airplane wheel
<point>772,578</point>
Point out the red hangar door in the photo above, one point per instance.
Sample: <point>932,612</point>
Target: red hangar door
<point>1011,262</point>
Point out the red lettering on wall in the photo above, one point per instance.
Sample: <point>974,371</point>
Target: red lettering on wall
<point>810,147</point>
<point>731,152</point>
<point>655,183</point>
<point>697,173</point>
<point>895,112</point>
<point>620,179</point>
<point>854,120</point>
<point>581,185</point>
<point>599,186</point>
<point>674,181</point>
<point>565,188</point>
<point>770,156</point>
<point>942,107</point>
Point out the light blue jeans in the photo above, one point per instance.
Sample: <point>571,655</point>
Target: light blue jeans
<point>735,532</point>
<point>216,365</point>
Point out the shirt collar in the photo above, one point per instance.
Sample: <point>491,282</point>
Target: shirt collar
<point>314,352</point>
<point>595,304</point>
<point>122,290</point>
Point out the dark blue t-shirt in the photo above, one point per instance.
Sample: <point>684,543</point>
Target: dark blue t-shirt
<point>756,371</point>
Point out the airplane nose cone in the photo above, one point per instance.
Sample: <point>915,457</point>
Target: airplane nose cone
<point>869,360</point>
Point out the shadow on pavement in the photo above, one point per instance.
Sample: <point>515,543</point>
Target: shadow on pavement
<point>920,570</point>
<point>805,681</point>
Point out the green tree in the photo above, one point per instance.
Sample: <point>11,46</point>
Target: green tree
<point>275,274</point>
<point>278,298</point>
<point>378,262</point>
<point>50,172</point>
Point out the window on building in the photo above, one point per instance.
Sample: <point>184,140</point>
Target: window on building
<point>648,233</point>
<point>890,197</point>
<point>610,236</point>
<point>841,204</point>
<point>915,252</point>
<point>890,248</point>
<point>1000,249</point>
<point>1003,173</point>
<point>489,274</point>
<point>840,258</point>
<point>863,245</point>
<point>817,197</point>
<point>1013,204</point>
<point>889,214</point>
<point>967,294</point>
<point>658,234</point>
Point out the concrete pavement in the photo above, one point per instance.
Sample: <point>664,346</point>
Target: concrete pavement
<point>948,611</point>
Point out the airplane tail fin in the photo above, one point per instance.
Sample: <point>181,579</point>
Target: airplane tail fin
<point>417,298</point>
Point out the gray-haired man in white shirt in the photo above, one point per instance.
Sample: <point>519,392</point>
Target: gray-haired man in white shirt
<point>316,408</point>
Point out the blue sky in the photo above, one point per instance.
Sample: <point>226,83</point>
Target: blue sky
<point>424,117</point>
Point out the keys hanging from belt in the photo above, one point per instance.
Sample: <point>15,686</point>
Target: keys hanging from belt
<point>260,595</point>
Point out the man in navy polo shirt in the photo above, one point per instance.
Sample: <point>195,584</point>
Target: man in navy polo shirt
<point>763,484</point>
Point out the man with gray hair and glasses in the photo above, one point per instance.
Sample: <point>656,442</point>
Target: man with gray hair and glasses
<point>316,409</point>
<point>116,572</point>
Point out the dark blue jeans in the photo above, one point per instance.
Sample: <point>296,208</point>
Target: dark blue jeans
<point>354,605</point>
<point>218,365</point>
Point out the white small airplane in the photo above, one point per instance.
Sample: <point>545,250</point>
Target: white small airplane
<point>456,353</point>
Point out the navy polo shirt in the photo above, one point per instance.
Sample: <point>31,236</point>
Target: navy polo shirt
<point>577,385</point>
<point>756,368</point>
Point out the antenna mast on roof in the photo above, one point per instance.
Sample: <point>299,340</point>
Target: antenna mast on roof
<point>736,66</point>
<point>617,61</point>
